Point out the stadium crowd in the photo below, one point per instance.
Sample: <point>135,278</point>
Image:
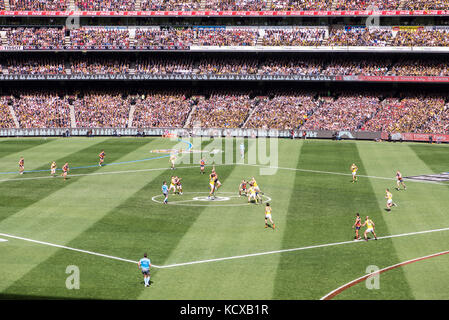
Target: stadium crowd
<point>309,110</point>
<point>224,65</point>
<point>120,38</point>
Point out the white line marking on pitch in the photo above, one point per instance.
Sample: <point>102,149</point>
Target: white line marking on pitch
<point>343,174</point>
<point>340,289</point>
<point>218,259</point>
<point>3,240</point>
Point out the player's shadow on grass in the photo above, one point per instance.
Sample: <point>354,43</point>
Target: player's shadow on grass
<point>387,210</point>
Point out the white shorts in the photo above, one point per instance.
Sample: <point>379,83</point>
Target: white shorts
<point>354,173</point>
<point>390,201</point>
<point>268,216</point>
<point>53,171</point>
<point>370,230</point>
<point>252,196</point>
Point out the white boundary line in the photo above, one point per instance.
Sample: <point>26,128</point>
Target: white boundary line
<point>341,173</point>
<point>219,165</point>
<point>223,258</point>
<point>3,240</point>
<point>340,289</point>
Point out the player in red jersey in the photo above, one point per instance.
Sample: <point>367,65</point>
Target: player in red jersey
<point>242,188</point>
<point>400,181</point>
<point>202,164</point>
<point>357,224</point>
<point>21,165</point>
<point>101,155</point>
<point>65,170</point>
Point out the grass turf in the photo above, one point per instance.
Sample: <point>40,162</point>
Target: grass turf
<point>110,210</point>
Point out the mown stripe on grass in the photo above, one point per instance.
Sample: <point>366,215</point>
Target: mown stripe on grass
<point>323,210</point>
<point>420,207</point>
<point>128,225</point>
<point>14,197</point>
<point>17,146</point>
<point>63,214</point>
<point>204,233</point>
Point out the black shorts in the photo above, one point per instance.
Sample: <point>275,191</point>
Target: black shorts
<point>146,272</point>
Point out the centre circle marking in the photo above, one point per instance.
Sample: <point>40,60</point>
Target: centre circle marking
<point>220,197</point>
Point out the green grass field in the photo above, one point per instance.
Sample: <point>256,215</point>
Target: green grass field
<point>110,210</point>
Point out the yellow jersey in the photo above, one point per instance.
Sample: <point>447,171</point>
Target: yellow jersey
<point>267,210</point>
<point>369,224</point>
<point>389,196</point>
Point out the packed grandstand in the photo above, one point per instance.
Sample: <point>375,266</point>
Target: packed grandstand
<point>343,58</point>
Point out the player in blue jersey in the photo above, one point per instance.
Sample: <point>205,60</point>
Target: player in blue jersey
<point>165,192</point>
<point>144,266</point>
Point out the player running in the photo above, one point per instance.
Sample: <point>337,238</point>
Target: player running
<point>369,228</point>
<point>101,155</point>
<point>202,164</point>
<point>65,170</point>
<point>389,197</point>
<point>356,225</point>
<point>144,266</point>
<point>268,216</point>
<point>179,185</point>
<point>165,192</point>
<point>354,169</point>
<point>173,184</point>
<point>172,161</point>
<point>252,194</point>
<point>212,183</point>
<point>400,181</point>
<point>21,165</point>
<point>217,182</point>
<point>242,188</point>
<point>53,168</point>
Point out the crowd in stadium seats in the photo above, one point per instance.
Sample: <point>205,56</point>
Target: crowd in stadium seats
<point>283,111</point>
<point>120,38</point>
<point>6,120</point>
<point>222,37</point>
<point>41,110</point>
<point>294,37</point>
<point>169,5</point>
<point>226,65</point>
<point>35,38</point>
<point>36,5</point>
<point>236,5</point>
<point>347,112</point>
<point>221,110</point>
<point>167,109</point>
<point>94,37</point>
<point>308,110</point>
<point>227,5</point>
<point>169,37</point>
<point>105,5</point>
<point>100,109</point>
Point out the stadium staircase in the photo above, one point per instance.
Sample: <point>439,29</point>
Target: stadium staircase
<point>402,4</point>
<point>13,115</point>
<point>132,36</point>
<point>131,115</point>
<point>67,40</point>
<point>259,41</point>
<point>4,39</point>
<point>203,5</point>
<point>334,4</point>
<point>250,115</point>
<point>138,5</point>
<point>7,7</point>
<point>72,116</point>
<point>267,6</point>
<point>189,118</point>
<point>72,6</point>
